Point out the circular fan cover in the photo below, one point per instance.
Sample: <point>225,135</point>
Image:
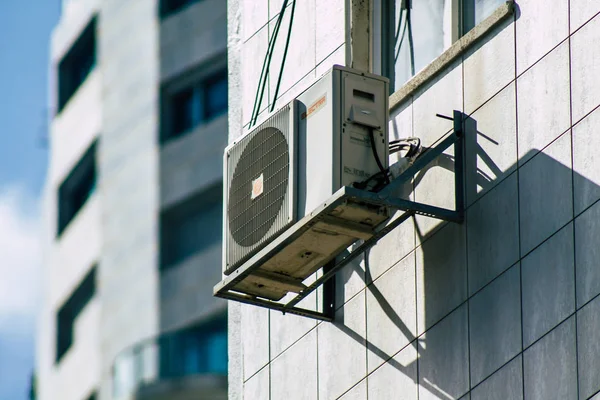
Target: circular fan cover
<point>265,154</point>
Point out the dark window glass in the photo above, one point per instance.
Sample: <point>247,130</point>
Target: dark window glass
<point>77,188</point>
<point>76,65</point>
<point>185,111</point>
<point>69,311</point>
<point>198,350</point>
<point>198,103</point>
<point>215,96</point>
<point>170,6</point>
<point>191,227</point>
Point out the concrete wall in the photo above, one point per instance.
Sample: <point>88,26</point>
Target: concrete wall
<point>192,46</point>
<point>193,162</point>
<point>192,36</point>
<point>68,258</point>
<point>138,177</point>
<point>503,306</point>
<point>128,170</point>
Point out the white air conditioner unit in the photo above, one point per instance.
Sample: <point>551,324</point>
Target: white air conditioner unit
<point>298,157</point>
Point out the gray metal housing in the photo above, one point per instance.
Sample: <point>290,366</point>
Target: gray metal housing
<point>329,147</point>
<point>333,133</point>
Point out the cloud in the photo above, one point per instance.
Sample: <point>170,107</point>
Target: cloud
<point>20,271</point>
<point>20,255</point>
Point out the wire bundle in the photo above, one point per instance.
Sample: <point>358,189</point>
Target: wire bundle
<point>262,81</point>
<point>411,148</point>
<point>406,11</point>
<point>412,145</point>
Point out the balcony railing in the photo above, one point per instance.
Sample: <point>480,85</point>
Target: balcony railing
<point>197,350</point>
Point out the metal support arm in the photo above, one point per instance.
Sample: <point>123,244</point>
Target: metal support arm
<point>227,288</point>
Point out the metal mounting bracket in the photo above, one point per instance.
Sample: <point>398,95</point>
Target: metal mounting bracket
<point>258,283</point>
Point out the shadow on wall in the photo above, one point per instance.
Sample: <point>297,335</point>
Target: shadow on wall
<point>468,289</point>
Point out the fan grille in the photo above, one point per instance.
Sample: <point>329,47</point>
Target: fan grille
<point>266,155</point>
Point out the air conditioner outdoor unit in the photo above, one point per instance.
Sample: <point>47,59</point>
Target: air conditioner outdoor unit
<point>259,195</point>
<point>281,170</point>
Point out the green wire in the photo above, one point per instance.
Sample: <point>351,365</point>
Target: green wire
<point>411,45</point>
<point>266,65</point>
<point>403,35</point>
<point>265,72</point>
<point>287,44</point>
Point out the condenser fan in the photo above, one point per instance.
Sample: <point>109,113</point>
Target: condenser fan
<point>258,187</point>
<point>259,194</point>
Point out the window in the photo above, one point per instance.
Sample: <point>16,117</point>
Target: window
<point>186,108</point>
<point>215,95</point>
<point>76,65</point>
<point>168,7</point>
<point>475,11</point>
<point>200,349</point>
<point>67,314</point>
<point>190,227</point>
<point>415,32</point>
<point>76,188</point>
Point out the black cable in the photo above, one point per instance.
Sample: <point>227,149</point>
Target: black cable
<point>403,35</point>
<point>408,139</point>
<point>377,160</point>
<point>285,50</point>
<point>399,148</point>
<point>266,66</point>
<point>379,179</point>
<point>410,38</point>
<point>399,25</point>
<point>262,79</point>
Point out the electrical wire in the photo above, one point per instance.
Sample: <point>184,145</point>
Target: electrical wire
<point>285,50</point>
<point>377,160</point>
<point>413,148</point>
<point>411,44</point>
<point>266,65</point>
<point>399,45</point>
<point>265,69</point>
<point>411,144</point>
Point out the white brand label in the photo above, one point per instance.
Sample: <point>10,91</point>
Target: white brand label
<point>257,187</point>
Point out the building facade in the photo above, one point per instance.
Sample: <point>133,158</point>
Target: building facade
<point>502,306</point>
<point>132,203</point>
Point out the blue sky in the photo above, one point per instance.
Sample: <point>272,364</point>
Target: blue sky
<point>25,28</point>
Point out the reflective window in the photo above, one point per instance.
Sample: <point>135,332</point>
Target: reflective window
<point>191,227</point>
<point>186,110</point>
<point>75,190</point>
<point>217,351</point>
<point>76,65</point>
<point>201,349</point>
<point>168,7</point>
<point>195,104</point>
<point>416,32</point>
<point>475,11</point>
<point>419,37</point>
<point>70,310</point>
<point>215,96</point>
